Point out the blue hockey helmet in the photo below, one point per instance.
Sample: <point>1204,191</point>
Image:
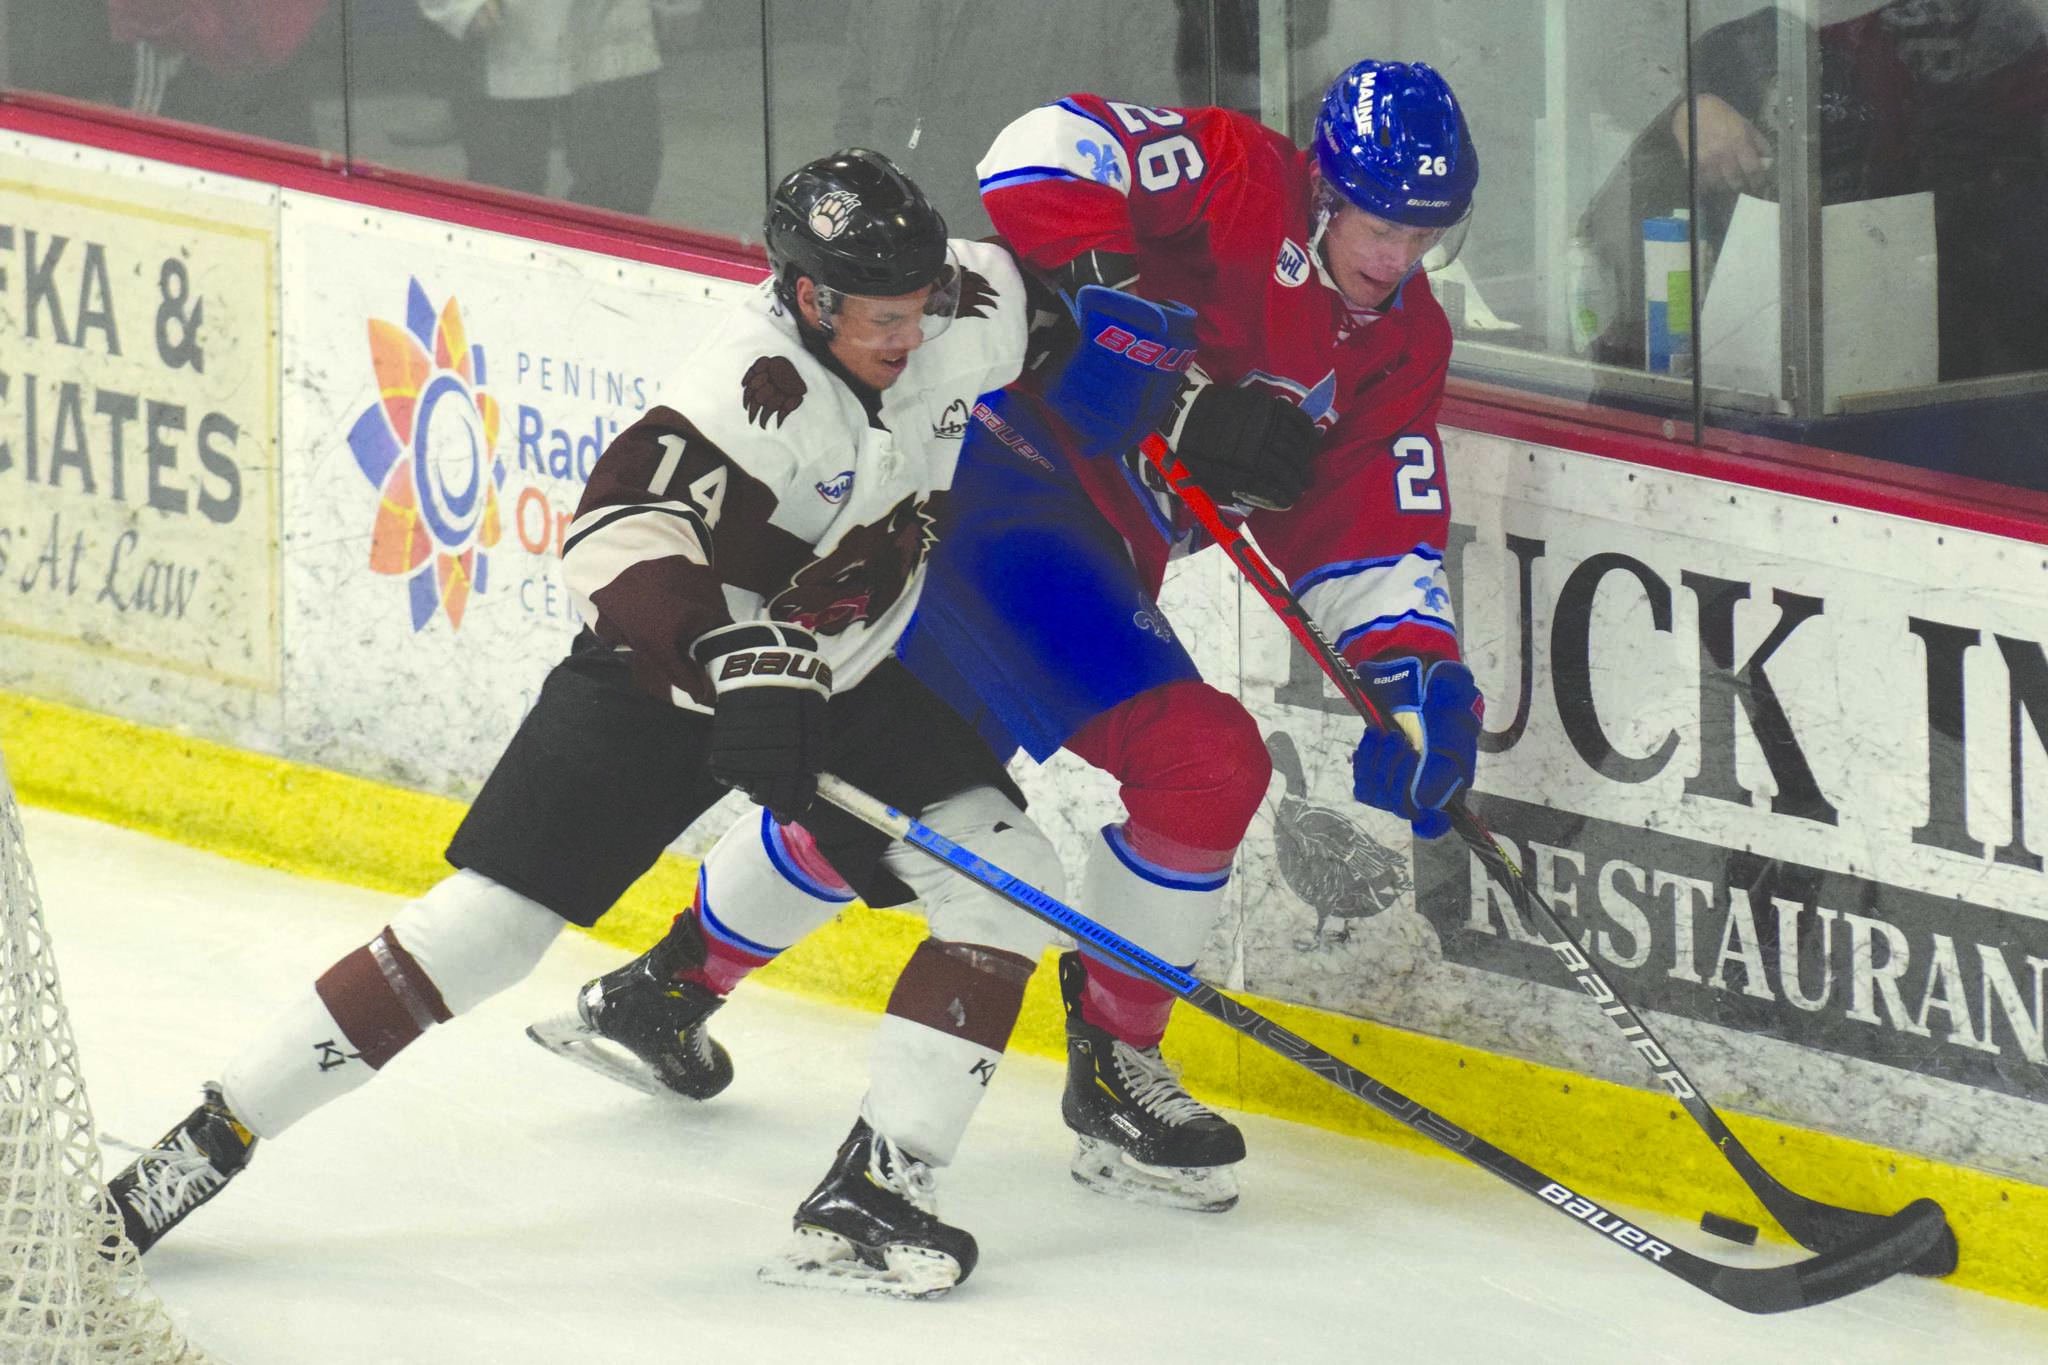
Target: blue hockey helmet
<point>1391,140</point>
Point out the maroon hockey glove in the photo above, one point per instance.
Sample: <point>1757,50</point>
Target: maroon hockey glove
<point>1242,445</point>
<point>770,728</point>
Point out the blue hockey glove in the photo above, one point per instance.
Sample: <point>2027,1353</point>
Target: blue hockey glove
<point>1120,381</point>
<point>1389,774</point>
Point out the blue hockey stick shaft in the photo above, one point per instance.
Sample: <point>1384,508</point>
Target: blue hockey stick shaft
<point>1061,916</point>
<point>1879,1251</point>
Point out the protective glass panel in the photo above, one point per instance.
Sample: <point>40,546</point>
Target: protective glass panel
<point>929,83</point>
<point>643,107</point>
<point>1872,184</point>
<point>1569,105</point>
<point>271,71</point>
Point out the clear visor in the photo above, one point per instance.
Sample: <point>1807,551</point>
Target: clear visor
<point>1393,247</point>
<point>898,322</point>
<point>1449,242</point>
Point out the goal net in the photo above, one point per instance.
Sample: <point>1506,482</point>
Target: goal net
<point>71,1286</point>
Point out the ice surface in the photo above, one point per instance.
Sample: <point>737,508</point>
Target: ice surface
<point>483,1201</point>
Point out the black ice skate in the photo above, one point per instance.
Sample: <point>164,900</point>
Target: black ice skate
<point>641,1026</point>
<point>1140,1135</point>
<point>872,1227</point>
<point>188,1166</point>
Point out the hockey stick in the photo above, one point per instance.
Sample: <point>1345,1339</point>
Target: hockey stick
<point>1877,1253</point>
<point>1814,1225</point>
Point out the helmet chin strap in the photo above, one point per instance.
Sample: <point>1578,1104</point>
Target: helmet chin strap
<point>1326,208</point>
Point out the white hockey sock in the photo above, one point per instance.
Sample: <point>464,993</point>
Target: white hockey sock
<point>924,1087</point>
<point>442,955</point>
<point>300,1061</point>
<point>765,886</point>
<point>936,1049</point>
<point>1167,912</point>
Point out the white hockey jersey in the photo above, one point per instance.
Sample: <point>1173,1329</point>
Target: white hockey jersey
<point>767,492</point>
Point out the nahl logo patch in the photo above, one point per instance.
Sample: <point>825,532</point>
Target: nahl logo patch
<point>1290,267</point>
<point>837,487</point>
<point>831,214</point>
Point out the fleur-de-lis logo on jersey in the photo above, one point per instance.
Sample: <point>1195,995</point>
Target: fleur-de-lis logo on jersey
<point>1435,597</point>
<point>1105,171</point>
<point>831,214</point>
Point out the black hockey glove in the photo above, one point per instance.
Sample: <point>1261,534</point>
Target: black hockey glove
<point>770,727</point>
<point>1242,445</point>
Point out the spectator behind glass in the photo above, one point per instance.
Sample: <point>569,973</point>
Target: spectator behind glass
<point>244,66</point>
<point>583,67</point>
<point>1948,96</point>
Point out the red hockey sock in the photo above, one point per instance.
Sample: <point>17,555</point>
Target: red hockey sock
<point>726,960</point>
<point>724,967</point>
<point>1129,1007</point>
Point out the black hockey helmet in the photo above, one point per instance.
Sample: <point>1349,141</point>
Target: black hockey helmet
<point>855,224</point>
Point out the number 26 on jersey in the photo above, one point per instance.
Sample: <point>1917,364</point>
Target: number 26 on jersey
<point>1163,162</point>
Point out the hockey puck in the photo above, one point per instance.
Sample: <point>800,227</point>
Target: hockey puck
<point>1734,1229</point>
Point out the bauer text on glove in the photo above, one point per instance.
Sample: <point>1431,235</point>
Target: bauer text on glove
<point>770,726</point>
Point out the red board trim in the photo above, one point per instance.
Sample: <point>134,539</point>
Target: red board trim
<point>1750,461</point>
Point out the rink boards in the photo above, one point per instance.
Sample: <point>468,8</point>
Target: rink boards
<point>286,473</point>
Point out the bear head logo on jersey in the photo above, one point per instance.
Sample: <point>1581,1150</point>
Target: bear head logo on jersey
<point>831,214</point>
<point>863,576</point>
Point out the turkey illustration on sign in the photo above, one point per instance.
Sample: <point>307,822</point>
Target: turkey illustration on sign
<point>1326,858</point>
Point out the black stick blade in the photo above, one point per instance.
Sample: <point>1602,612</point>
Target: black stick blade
<point>1818,1226</point>
<point>1887,1247</point>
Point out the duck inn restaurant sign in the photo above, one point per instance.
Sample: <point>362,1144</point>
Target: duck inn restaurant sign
<point>1771,760</point>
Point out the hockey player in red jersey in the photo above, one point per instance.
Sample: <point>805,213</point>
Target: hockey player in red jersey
<point>1322,356</point>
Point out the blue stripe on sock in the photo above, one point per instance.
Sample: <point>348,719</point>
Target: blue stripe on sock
<point>719,930</point>
<point>1157,875</point>
<point>778,854</point>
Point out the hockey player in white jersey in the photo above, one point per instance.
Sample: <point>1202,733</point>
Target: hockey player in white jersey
<point>745,559</point>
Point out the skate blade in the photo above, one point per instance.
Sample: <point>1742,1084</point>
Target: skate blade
<point>817,1259</point>
<point>1107,1169</point>
<point>568,1036</point>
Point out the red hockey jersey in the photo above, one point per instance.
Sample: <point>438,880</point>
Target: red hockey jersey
<point>1217,209</point>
